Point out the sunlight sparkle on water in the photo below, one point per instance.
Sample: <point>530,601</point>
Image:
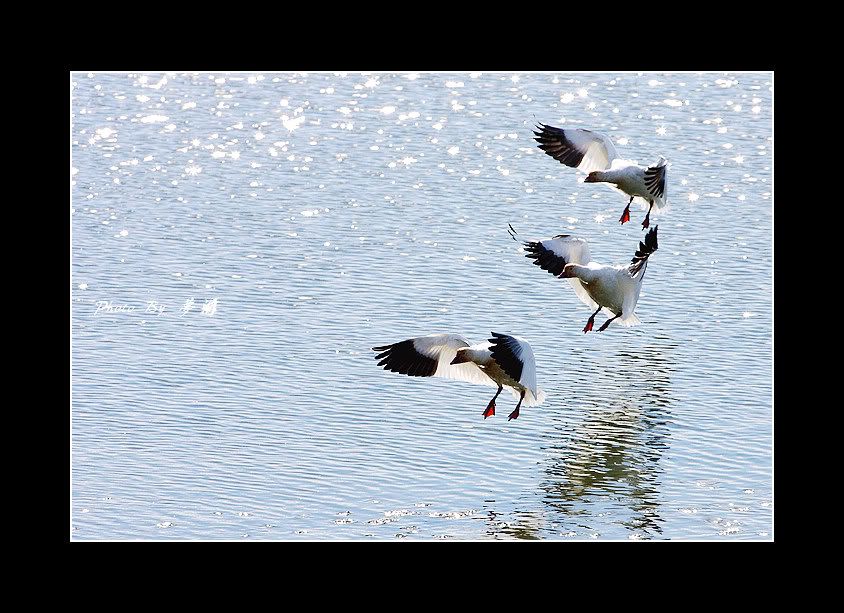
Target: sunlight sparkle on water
<point>292,124</point>
<point>154,119</point>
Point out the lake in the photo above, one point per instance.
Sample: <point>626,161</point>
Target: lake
<point>240,242</point>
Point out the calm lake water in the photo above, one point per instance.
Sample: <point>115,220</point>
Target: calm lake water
<point>240,242</point>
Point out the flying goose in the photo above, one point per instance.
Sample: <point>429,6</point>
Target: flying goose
<point>594,153</point>
<point>615,288</point>
<point>501,361</point>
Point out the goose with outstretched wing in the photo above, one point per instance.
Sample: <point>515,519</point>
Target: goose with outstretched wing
<point>595,154</point>
<point>502,361</point>
<point>614,288</point>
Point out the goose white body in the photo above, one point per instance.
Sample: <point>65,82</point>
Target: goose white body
<point>613,288</point>
<point>634,180</point>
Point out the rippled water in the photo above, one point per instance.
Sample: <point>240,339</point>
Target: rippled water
<point>241,241</point>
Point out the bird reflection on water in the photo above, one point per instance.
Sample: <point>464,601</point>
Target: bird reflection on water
<point>612,457</point>
<point>603,454</point>
<point>523,525</point>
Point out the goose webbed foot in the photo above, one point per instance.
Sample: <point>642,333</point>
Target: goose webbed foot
<point>490,408</point>
<point>515,413</point>
<point>625,216</point>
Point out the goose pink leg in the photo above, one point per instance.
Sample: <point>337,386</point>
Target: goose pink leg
<point>591,322</point>
<point>647,223</point>
<point>608,322</point>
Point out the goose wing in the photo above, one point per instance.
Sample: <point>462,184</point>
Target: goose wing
<point>582,149</point>
<point>431,356</point>
<point>553,254</point>
<point>655,181</point>
<point>515,357</point>
<point>631,282</point>
<point>646,248</point>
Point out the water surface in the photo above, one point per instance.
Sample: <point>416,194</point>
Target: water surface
<point>240,241</point>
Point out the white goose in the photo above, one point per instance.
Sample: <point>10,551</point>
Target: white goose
<point>594,153</point>
<point>615,288</point>
<point>503,361</point>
